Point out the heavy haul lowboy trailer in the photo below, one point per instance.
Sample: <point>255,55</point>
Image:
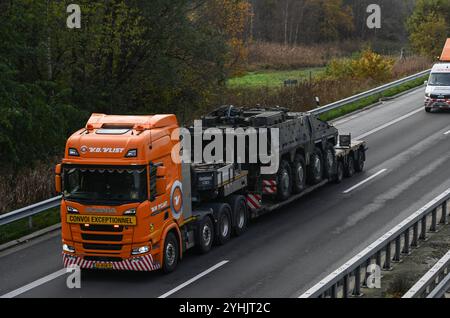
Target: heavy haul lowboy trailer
<point>128,205</point>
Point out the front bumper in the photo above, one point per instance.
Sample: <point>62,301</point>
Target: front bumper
<point>144,263</point>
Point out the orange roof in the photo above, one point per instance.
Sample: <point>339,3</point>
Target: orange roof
<point>146,122</point>
<point>445,57</point>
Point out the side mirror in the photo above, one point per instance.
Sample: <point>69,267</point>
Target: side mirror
<point>58,185</point>
<point>161,180</point>
<point>426,82</point>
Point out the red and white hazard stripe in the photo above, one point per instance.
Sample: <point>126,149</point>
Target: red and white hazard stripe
<point>254,201</point>
<point>269,186</point>
<point>138,264</point>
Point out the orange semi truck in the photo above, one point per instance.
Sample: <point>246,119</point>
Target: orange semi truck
<point>128,204</point>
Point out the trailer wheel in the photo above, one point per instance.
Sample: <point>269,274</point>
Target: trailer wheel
<point>340,172</point>
<point>350,167</point>
<point>316,167</point>
<point>205,235</point>
<point>359,164</point>
<point>284,181</point>
<point>329,161</point>
<point>224,224</point>
<point>240,214</point>
<point>299,174</point>
<point>171,253</point>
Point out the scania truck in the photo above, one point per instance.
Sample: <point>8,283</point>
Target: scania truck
<point>437,94</point>
<point>130,202</point>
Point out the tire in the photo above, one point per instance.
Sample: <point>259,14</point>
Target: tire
<point>171,253</point>
<point>298,174</point>
<point>316,167</point>
<point>329,162</point>
<point>350,167</point>
<point>238,205</point>
<point>284,181</point>
<point>359,163</point>
<point>428,110</point>
<point>205,235</point>
<point>339,172</point>
<point>224,224</point>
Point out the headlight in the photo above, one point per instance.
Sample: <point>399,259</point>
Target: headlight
<point>71,210</point>
<point>140,250</point>
<point>428,95</point>
<point>130,212</point>
<point>69,249</point>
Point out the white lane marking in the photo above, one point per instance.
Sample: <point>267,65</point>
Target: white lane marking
<point>35,284</point>
<point>371,132</point>
<point>365,181</point>
<point>447,133</point>
<point>206,272</point>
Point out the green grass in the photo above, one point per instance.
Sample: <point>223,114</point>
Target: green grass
<point>347,109</point>
<point>272,79</point>
<point>20,228</point>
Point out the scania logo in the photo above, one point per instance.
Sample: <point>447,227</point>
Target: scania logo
<point>84,149</point>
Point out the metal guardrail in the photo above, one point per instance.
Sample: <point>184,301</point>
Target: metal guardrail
<point>338,282</point>
<point>30,211</point>
<point>435,283</point>
<point>54,202</point>
<point>358,97</point>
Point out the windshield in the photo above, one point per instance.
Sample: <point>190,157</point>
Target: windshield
<point>439,79</point>
<point>105,186</point>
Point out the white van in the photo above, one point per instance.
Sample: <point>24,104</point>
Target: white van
<point>437,93</point>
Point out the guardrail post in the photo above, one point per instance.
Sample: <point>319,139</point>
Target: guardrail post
<point>415,240</point>
<point>334,291</point>
<point>366,274</point>
<point>398,251</point>
<point>387,263</point>
<point>378,259</point>
<point>30,222</point>
<point>444,219</point>
<point>357,289</point>
<point>423,229</point>
<point>433,227</point>
<point>406,247</point>
<point>345,287</point>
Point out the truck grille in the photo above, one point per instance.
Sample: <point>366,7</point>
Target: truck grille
<point>102,237</point>
<point>102,247</point>
<point>101,228</point>
<point>442,96</point>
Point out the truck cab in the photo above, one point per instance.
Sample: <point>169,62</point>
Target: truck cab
<point>122,193</point>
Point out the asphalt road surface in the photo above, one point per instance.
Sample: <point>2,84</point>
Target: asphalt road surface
<point>288,251</point>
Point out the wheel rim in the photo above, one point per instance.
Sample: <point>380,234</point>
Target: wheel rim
<point>225,226</point>
<point>317,166</point>
<point>170,254</point>
<point>300,175</point>
<point>241,220</point>
<point>285,181</point>
<point>206,235</point>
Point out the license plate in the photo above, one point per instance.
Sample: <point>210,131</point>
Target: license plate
<point>101,220</point>
<point>103,266</point>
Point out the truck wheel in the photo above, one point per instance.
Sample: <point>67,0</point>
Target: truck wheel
<point>329,161</point>
<point>340,172</point>
<point>350,168</point>
<point>171,253</point>
<point>359,164</point>
<point>284,181</point>
<point>428,110</point>
<point>316,167</point>
<point>205,235</point>
<point>240,214</point>
<point>224,224</point>
<point>299,174</point>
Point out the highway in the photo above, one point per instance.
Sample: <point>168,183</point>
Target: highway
<point>286,252</point>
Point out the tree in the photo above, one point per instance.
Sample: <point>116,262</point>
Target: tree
<point>429,26</point>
